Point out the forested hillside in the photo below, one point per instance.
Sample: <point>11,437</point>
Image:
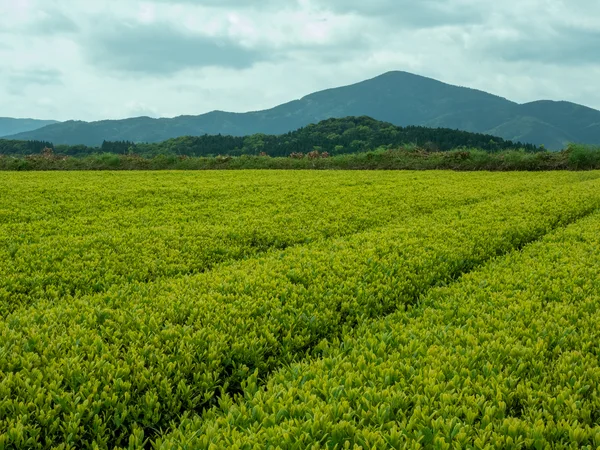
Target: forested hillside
<point>333,136</point>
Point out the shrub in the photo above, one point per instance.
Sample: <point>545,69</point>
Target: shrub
<point>581,157</point>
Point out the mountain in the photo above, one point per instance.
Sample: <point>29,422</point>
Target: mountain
<point>400,98</point>
<point>9,125</point>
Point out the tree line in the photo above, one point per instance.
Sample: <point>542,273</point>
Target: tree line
<point>333,136</point>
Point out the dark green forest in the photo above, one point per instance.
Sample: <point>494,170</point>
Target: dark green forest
<point>11,147</point>
<point>331,136</point>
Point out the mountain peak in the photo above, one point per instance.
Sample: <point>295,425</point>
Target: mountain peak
<point>403,74</point>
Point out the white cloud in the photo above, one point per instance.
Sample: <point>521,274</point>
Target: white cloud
<point>113,59</point>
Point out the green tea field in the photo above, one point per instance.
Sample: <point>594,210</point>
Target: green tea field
<point>299,310</point>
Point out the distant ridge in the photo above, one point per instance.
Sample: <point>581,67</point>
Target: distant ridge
<point>8,125</point>
<point>400,98</point>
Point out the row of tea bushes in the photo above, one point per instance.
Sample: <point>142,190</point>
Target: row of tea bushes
<point>72,234</point>
<point>508,357</point>
<point>104,369</point>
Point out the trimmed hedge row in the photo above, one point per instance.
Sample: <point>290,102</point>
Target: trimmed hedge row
<point>79,233</point>
<point>119,367</point>
<point>508,357</point>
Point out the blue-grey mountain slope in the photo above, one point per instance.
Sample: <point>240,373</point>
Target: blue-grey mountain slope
<point>400,98</point>
<point>9,125</point>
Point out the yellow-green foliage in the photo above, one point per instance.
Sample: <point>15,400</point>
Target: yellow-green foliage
<point>508,357</point>
<point>68,234</point>
<point>122,365</point>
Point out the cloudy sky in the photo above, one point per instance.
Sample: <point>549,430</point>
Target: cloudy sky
<point>76,59</point>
